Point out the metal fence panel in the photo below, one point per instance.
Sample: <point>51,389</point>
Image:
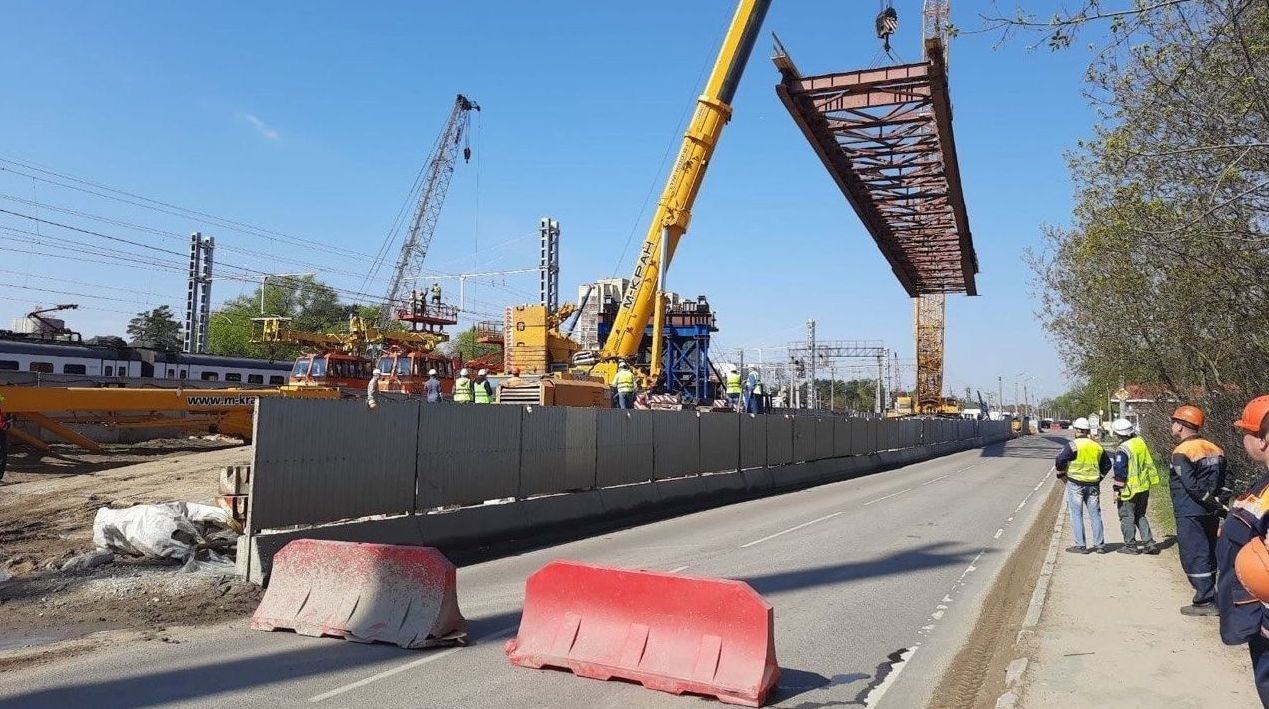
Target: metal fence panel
<point>803,439</point>
<point>841,437</point>
<point>676,444</point>
<point>753,441</point>
<point>720,441</point>
<point>557,451</point>
<point>824,438</point>
<point>321,461</point>
<point>779,440</point>
<point>623,446</point>
<point>468,454</point>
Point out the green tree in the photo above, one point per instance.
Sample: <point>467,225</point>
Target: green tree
<point>465,346</point>
<point>844,396</point>
<point>312,306</point>
<point>156,329</point>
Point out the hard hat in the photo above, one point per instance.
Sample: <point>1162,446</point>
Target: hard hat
<point>1191,416</point>
<point>753,367</point>
<point>1253,420</point>
<point>431,372</point>
<point>515,371</point>
<point>375,373</point>
<point>1081,424</point>
<point>623,365</point>
<point>1251,566</point>
<point>1122,427</point>
<point>482,372</point>
<point>462,372</point>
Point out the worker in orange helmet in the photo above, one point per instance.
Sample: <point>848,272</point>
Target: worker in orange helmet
<point>1197,480</point>
<point>1240,580</point>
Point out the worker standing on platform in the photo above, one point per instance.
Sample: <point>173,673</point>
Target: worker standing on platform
<point>436,294</point>
<point>753,391</point>
<point>464,392</point>
<point>1196,481</point>
<point>483,391</point>
<point>5,423</point>
<point>624,382</point>
<point>432,387</point>
<point>1248,522</point>
<point>732,384</point>
<point>1083,463</point>
<point>1135,474</point>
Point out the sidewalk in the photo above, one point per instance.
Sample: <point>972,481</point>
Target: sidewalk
<point>1109,633</point>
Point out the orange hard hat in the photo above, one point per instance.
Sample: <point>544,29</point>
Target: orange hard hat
<point>1251,566</point>
<point>1191,416</point>
<point>1254,414</point>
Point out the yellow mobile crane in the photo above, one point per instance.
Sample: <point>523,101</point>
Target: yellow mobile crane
<point>643,300</point>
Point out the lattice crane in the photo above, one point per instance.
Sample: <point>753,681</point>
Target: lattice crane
<point>434,186</point>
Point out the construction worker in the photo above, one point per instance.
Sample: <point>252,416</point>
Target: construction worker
<point>1135,473</point>
<point>1243,620</point>
<point>732,384</point>
<point>482,388</point>
<point>464,392</point>
<point>372,389</point>
<point>753,391</point>
<point>514,380</point>
<point>624,382</point>
<point>436,294</point>
<point>5,423</point>
<point>432,387</point>
<point>1196,480</point>
<point>1083,463</point>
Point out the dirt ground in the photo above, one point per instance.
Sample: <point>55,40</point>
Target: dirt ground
<point>47,505</point>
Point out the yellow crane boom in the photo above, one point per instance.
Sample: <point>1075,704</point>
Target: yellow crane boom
<point>674,209</point>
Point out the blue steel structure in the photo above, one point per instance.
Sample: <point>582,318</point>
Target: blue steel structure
<point>687,330</point>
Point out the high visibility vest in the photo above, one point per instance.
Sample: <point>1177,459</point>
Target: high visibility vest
<point>1085,468</point>
<point>1143,474</point>
<point>624,381</point>
<point>733,382</point>
<point>462,390</point>
<point>483,394</point>
<point>756,380</point>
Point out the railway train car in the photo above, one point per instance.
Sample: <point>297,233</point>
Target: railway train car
<point>34,356</point>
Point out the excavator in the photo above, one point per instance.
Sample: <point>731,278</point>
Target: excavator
<point>586,381</point>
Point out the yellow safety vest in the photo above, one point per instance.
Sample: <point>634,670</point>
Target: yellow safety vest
<point>483,395</point>
<point>733,382</point>
<point>1143,474</point>
<point>462,390</point>
<point>624,381</point>
<point>1086,466</point>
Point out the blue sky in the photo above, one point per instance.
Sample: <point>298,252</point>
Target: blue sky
<point>310,119</point>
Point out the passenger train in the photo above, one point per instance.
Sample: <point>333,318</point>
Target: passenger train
<point>31,355</point>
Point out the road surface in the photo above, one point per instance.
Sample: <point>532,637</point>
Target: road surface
<point>875,583</point>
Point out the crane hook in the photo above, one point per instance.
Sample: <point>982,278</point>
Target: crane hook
<point>887,25</point>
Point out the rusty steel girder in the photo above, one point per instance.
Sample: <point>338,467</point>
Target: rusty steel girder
<point>885,136</point>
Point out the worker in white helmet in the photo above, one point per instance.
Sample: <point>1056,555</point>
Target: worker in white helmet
<point>624,382</point>
<point>1135,473</point>
<point>432,387</point>
<point>1082,464</point>
<point>373,388</point>
<point>464,392</point>
<point>482,388</point>
<point>753,391</point>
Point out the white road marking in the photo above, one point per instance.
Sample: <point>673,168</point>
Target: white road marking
<point>887,497</point>
<point>941,477</point>
<point>681,568</point>
<point>998,533</point>
<point>875,695</point>
<point>792,529</point>
<point>430,657</point>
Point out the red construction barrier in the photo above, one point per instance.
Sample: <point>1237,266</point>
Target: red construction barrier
<point>363,592</point>
<point>670,633</point>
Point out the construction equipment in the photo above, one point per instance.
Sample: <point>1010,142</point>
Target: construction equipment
<point>365,593</point>
<point>668,632</point>
<point>51,328</point>
<point>533,344</point>
<point>55,409</point>
<point>432,186</point>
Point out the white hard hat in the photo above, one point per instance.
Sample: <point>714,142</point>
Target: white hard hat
<point>431,372</point>
<point>1081,424</point>
<point>753,367</point>
<point>1122,427</point>
<point>623,365</point>
<point>482,372</point>
<point>462,372</point>
<point>375,373</point>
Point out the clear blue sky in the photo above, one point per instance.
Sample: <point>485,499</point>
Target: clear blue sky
<point>312,118</point>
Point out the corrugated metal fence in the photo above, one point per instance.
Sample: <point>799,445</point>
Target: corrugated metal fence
<point>323,461</point>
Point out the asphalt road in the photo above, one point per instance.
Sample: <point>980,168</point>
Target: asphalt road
<point>875,583</point>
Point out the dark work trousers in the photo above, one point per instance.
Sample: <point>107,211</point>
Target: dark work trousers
<point>1132,518</point>
<point>1196,537</point>
<point>1259,648</point>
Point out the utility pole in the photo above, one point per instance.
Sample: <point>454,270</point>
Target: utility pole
<point>1000,394</point>
<point>811,402</point>
<point>880,374</point>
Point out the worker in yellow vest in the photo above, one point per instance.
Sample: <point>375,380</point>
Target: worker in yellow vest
<point>624,382</point>
<point>483,392</point>
<point>464,393</point>
<point>1135,473</point>
<point>1082,464</point>
<point>732,384</point>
